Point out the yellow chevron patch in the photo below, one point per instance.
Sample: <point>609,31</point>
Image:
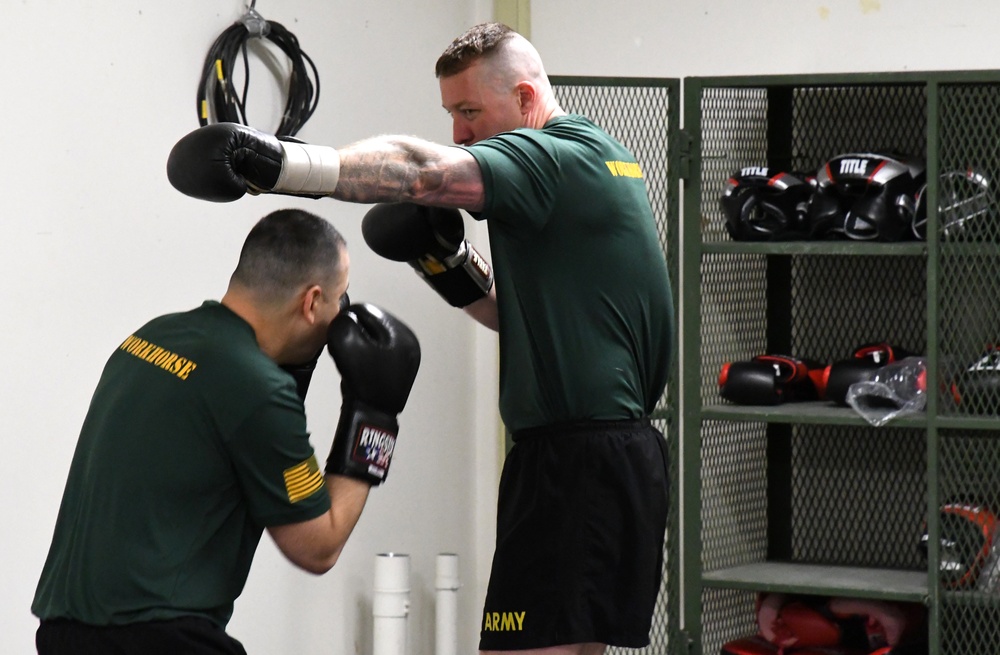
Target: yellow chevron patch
<point>624,168</point>
<point>303,480</point>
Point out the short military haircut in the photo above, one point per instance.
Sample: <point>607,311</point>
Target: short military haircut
<point>476,43</point>
<point>287,250</point>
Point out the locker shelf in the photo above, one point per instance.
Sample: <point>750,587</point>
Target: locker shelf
<point>854,582</point>
<point>809,412</point>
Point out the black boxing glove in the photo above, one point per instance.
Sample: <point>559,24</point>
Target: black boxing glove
<point>302,373</point>
<point>432,240</point>
<point>771,380</point>
<point>224,161</point>
<point>378,357</point>
<point>867,359</point>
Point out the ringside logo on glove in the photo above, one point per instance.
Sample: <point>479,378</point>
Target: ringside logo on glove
<point>374,449</point>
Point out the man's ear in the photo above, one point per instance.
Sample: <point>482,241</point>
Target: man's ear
<point>526,95</point>
<point>310,301</point>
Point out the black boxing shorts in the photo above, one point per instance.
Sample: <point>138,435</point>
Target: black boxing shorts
<point>189,635</point>
<point>581,519</point>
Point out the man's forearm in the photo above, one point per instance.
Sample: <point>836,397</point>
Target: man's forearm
<point>381,169</point>
<point>399,168</point>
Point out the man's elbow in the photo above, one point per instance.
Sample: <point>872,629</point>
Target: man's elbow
<point>312,545</point>
<point>318,564</point>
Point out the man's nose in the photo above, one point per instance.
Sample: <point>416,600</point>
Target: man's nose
<point>460,133</point>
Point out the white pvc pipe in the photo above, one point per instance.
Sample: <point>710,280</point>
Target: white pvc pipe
<point>391,603</point>
<point>446,594</point>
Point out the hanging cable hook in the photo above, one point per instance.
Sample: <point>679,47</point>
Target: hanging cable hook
<point>256,24</point>
<point>219,100</point>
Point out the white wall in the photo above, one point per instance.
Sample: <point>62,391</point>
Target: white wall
<point>94,242</point>
<point>658,38</point>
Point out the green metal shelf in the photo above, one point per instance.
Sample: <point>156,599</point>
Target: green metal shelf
<point>983,599</point>
<point>970,249</point>
<point>958,422</point>
<point>819,412</point>
<point>856,582</point>
<point>836,80</point>
<point>905,249</point>
<point>769,485</point>
<point>809,412</point>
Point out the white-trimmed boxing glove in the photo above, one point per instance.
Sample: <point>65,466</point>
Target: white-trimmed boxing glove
<point>224,161</point>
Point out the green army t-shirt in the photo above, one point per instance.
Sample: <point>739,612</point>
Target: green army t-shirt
<point>194,442</point>
<point>585,306</point>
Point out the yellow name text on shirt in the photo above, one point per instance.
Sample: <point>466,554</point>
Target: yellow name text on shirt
<point>157,356</point>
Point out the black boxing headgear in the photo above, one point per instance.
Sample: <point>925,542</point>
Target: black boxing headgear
<point>866,196</point>
<point>765,205</point>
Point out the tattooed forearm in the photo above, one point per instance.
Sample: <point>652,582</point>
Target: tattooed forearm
<point>399,168</point>
<point>377,170</point>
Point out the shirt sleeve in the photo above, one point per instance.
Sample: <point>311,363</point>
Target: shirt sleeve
<point>521,170</point>
<point>276,465</point>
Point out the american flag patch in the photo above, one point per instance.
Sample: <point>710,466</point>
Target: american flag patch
<point>303,480</point>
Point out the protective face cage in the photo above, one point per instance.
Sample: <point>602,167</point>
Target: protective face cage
<point>967,534</point>
<point>765,205</point>
<point>865,196</point>
<point>964,206</point>
<point>976,389</point>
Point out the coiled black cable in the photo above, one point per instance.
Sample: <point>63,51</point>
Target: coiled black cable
<point>216,90</point>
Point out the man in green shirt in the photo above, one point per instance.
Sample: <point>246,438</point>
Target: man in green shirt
<point>195,443</point>
<point>582,303</point>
